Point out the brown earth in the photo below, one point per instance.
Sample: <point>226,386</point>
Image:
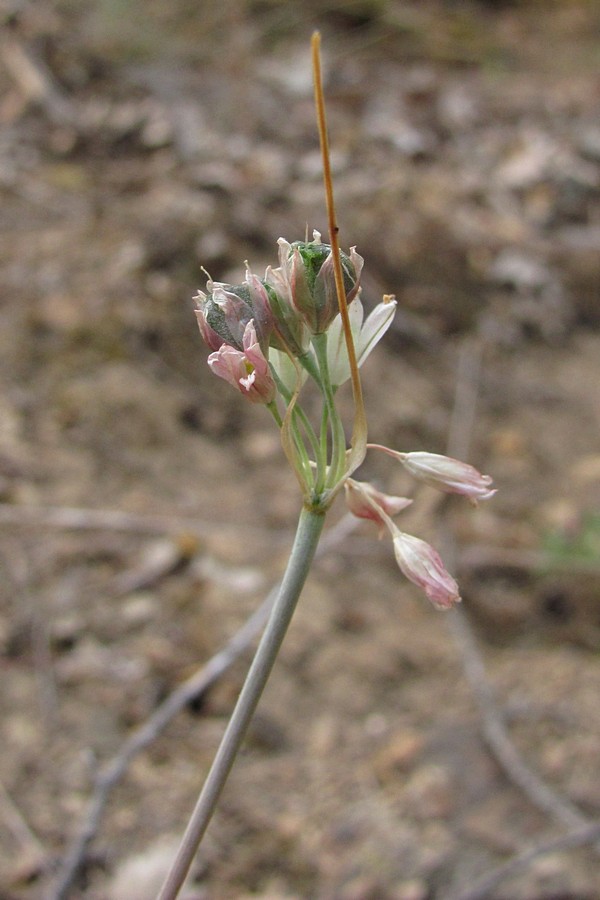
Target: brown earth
<point>141,141</point>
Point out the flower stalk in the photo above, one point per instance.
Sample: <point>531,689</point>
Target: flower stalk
<point>309,529</point>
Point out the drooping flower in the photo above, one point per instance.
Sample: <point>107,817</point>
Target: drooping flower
<point>418,561</point>
<point>366,333</point>
<point>444,473</point>
<point>247,369</point>
<point>423,566</point>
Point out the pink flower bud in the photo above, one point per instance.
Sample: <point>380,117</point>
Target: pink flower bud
<point>444,473</point>
<point>417,560</point>
<point>449,475</point>
<point>210,337</point>
<point>248,371</point>
<point>289,332</point>
<point>423,566</point>
<point>224,312</point>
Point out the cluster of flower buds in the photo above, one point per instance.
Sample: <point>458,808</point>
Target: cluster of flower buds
<point>304,282</point>
<point>268,335</point>
<point>292,303</point>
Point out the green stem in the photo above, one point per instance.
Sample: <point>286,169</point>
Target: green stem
<point>302,454</point>
<point>322,457</point>
<point>300,416</point>
<point>272,407</point>
<point>308,532</point>
<point>338,437</point>
<point>308,362</point>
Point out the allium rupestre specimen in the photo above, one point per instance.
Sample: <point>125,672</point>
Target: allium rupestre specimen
<point>269,335</point>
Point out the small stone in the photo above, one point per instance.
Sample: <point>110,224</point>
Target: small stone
<point>413,889</point>
<point>397,755</point>
<point>429,794</point>
<point>139,609</point>
<point>140,877</point>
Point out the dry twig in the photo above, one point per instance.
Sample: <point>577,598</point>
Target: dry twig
<point>80,519</point>
<point>18,826</point>
<point>496,735</point>
<point>492,722</point>
<point>35,81</point>
<point>493,727</point>
<point>589,834</point>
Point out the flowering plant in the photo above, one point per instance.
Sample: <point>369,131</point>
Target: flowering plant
<point>304,321</point>
<point>302,336</point>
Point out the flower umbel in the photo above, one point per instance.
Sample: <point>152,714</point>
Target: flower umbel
<point>269,336</point>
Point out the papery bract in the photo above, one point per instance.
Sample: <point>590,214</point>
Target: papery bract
<point>366,334</point>
<point>291,376</point>
<point>246,370</point>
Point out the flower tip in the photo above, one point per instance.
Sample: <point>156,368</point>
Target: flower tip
<point>484,495</point>
<point>445,604</point>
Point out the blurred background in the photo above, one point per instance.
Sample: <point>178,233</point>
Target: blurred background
<point>141,141</point>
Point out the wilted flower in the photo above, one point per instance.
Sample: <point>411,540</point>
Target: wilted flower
<point>366,502</point>
<point>444,473</point>
<point>417,560</point>
<point>366,335</point>
<point>247,369</point>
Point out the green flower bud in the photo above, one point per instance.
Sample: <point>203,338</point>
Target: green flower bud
<point>309,273</point>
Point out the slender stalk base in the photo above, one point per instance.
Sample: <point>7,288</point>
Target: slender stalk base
<point>309,530</point>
